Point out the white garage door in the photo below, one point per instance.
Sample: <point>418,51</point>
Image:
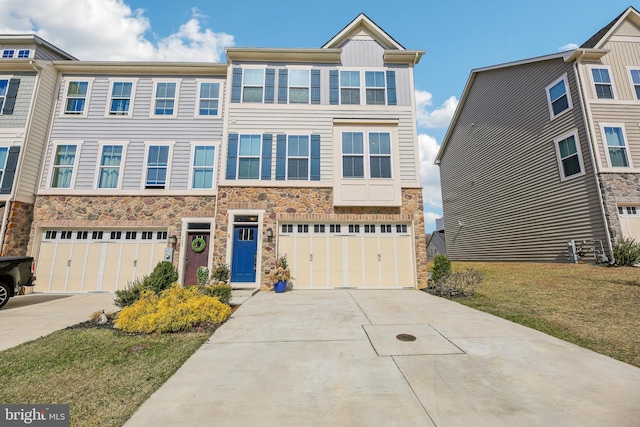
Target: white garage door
<point>630,221</point>
<point>365,256</point>
<point>96,260</point>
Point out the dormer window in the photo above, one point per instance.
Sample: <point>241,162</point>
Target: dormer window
<point>24,53</point>
<point>8,53</point>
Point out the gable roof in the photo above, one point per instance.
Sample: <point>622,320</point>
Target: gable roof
<point>363,21</point>
<point>601,36</point>
<point>32,39</point>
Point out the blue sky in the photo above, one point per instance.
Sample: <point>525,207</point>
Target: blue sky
<point>456,35</point>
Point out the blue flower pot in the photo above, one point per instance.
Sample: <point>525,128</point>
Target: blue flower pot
<point>280,287</point>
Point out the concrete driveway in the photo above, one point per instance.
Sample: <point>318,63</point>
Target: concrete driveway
<point>28,317</point>
<point>331,358</point>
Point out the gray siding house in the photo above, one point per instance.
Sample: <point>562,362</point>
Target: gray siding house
<point>308,153</point>
<point>27,86</point>
<point>546,150</point>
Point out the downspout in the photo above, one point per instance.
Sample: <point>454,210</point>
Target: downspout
<point>588,125</point>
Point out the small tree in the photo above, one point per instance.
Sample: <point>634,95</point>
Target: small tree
<point>162,277</point>
<point>221,273</point>
<point>202,275</point>
<point>441,268</point>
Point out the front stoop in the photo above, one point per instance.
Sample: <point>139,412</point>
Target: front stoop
<point>240,295</point>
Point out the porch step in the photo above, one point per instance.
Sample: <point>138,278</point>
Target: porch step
<point>240,295</point>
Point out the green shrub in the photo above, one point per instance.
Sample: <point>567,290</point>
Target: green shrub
<point>221,273</point>
<point>441,268</point>
<point>626,252</point>
<point>222,292</point>
<point>461,284</point>
<point>161,278</point>
<point>175,309</point>
<point>202,275</point>
<point>130,294</point>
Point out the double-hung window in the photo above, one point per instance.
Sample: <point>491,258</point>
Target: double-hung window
<point>380,154</point>
<point>8,53</point>
<point>252,85</point>
<point>109,168</point>
<point>208,99</point>
<point>157,166</point>
<point>635,81</point>
<point>353,154</point>
<point>249,157</point>
<point>4,85</point>
<point>602,83</point>
<point>165,97</point>
<point>203,162</point>
<point>76,97</point>
<point>617,148</point>
<point>298,157</point>
<point>350,87</point>
<point>569,157</point>
<point>120,98</point>
<point>298,86</point>
<point>558,97</point>
<point>375,87</point>
<point>373,146</point>
<point>64,159</point>
<point>4,151</point>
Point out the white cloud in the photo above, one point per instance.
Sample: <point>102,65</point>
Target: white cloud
<point>110,30</point>
<point>568,46</point>
<point>430,178</point>
<point>438,118</point>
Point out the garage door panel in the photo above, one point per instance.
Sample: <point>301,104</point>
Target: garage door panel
<point>355,262</point>
<point>405,265</point>
<point>388,265</point>
<point>371,264</point>
<point>320,263</point>
<point>60,267</point>
<point>336,261</point>
<point>44,267</point>
<point>79,260</point>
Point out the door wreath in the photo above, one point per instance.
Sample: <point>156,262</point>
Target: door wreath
<point>198,244</point>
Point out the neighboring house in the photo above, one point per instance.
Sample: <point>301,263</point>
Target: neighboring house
<point>131,167</point>
<point>309,153</point>
<point>436,244</point>
<point>27,86</point>
<point>547,150</point>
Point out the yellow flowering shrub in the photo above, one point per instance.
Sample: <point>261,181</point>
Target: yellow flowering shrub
<point>175,309</point>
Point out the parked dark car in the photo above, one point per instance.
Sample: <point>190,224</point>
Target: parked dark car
<point>16,272</point>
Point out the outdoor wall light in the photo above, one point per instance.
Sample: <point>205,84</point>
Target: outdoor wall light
<point>269,234</point>
<point>173,240</point>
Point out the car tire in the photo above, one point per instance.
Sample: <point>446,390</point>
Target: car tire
<point>5,293</point>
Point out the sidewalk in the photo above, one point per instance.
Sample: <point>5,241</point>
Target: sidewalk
<point>28,317</point>
<point>319,358</point>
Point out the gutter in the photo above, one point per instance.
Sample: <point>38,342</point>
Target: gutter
<point>589,128</point>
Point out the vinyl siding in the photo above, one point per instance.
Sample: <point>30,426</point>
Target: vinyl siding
<point>33,151</point>
<point>500,175</point>
<point>362,53</point>
<point>140,127</point>
<point>44,53</point>
<point>23,100</point>
<point>252,118</point>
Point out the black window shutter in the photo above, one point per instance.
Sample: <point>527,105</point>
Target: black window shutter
<point>236,85</point>
<point>315,86</point>
<point>315,157</point>
<point>267,142</point>
<point>269,83</point>
<point>283,80</point>
<point>281,157</point>
<point>391,87</point>
<point>10,170</point>
<point>232,156</point>
<point>334,87</point>
<point>10,98</point>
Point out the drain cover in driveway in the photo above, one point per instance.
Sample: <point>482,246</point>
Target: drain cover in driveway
<point>408,340</point>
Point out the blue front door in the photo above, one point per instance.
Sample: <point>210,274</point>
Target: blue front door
<point>245,246</point>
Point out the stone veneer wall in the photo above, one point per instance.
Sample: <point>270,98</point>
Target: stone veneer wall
<point>120,211</point>
<point>16,236</point>
<point>308,204</point>
<point>618,188</point>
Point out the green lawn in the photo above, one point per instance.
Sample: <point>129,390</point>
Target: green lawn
<point>103,374</point>
<point>596,307</point>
